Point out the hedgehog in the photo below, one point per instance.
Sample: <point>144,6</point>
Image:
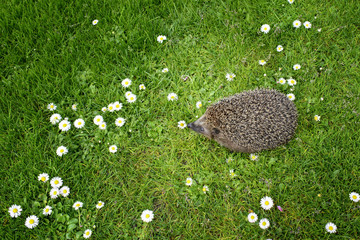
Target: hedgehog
<point>250,121</point>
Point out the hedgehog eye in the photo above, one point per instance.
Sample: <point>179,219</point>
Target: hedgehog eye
<point>201,129</point>
<point>216,131</point>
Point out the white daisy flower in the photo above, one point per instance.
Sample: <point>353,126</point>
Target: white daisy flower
<point>47,210</point>
<point>230,76</point>
<point>98,119</point>
<point>113,148</point>
<point>111,107</point>
<point>264,223</point>
<point>291,82</point>
<point>55,118</point>
<point>44,177</point>
<point>117,106</point>
<point>291,96</point>
<point>252,217</point>
<point>64,125</point>
<point>297,24</point>
<point>317,118</point>
<point>95,22</point>
<point>65,191</point>
<point>172,97</point>
<point>354,196</point>
<point>265,28</point>
<point>296,67</point>
<point>104,109</point>
<point>291,1</point>
<point>262,62</point>
<point>161,38</point>
<point>198,104</point>
<point>120,122</point>
<point>54,193</point>
<point>165,70</point>
<point>279,48</point>
<point>189,182</point>
<point>131,98</point>
<point>51,107</point>
<point>56,182</point>
<point>142,87</point>
<point>32,221</point>
<point>232,173</point>
<point>307,24</point>
<point>74,107</point>
<point>182,124</point>
<point>102,126</point>
<point>61,151</point>
<point>99,205</point>
<point>15,211</point>
<point>205,189</point>
<point>128,94</point>
<point>79,123</point>
<point>319,30</point>
<point>87,233</point>
<point>147,215</point>
<point>330,227</point>
<point>282,81</point>
<point>126,82</point>
<point>266,203</point>
<point>253,157</point>
<point>77,205</point>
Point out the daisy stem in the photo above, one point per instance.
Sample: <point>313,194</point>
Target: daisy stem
<point>79,217</point>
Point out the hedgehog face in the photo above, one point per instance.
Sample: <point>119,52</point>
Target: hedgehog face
<point>202,127</point>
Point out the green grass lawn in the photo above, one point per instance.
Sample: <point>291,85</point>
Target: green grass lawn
<point>52,53</point>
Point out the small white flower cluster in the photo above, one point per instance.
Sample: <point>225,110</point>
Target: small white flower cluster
<point>290,81</point>
<point>161,38</point>
<point>266,203</point>
<point>297,24</point>
<point>230,76</point>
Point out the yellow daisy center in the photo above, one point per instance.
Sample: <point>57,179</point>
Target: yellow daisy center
<point>47,210</point>
<point>331,228</point>
<point>354,197</point>
<point>51,106</point>
<point>103,125</point>
<point>55,193</point>
<point>79,123</point>
<point>61,150</point>
<point>132,98</point>
<point>78,205</point>
<point>64,191</point>
<point>200,105</point>
<point>87,233</point>
<point>110,107</point>
<point>232,174</point>
<point>181,124</point>
<point>43,179</point>
<point>99,204</point>
<point>126,83</point>
<point>264,223</point>
<point>265,29</point>
<point>64,125</point>
<point>117,105</point>
<point>119,121</point>
<point>31,221</point>
<point>57,181</point>
<point>147,215</point>
<point>252,217</point>
<point>316,118</point>
<point>172,97</point>
<point>204,189</point>
<point>98,120</point>
<point>15,210</point>
<point>290,97</point>
<point>292,81</point>
<point>112,149</point>
<point>266,202</point>
<point>188,181</point>
<point>161,38</point>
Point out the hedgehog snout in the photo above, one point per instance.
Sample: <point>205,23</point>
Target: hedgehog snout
<point>190,125</point>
